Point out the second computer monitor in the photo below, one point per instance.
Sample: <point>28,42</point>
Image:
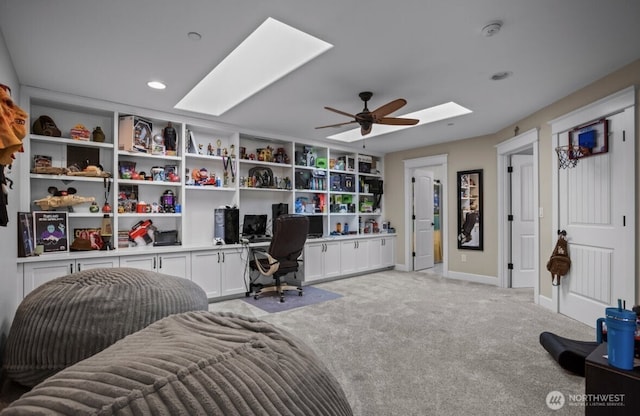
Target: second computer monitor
<point>254,225</point>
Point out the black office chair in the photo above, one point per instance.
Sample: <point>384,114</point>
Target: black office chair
<point>289,235</point>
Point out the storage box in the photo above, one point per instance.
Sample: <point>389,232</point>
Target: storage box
<point>135,134</point>
<point>364,163</point>
<point>348,183</point>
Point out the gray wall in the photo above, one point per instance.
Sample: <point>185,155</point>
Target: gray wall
<point>8,253</point>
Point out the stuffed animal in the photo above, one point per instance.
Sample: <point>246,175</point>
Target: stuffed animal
<point>12,127</point>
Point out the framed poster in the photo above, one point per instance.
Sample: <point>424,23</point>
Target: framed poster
<point>51,231</point>
<point>26,245</point>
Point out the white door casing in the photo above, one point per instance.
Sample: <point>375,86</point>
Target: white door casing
<point>526,142</point>
<point>410,165</point>
<point>524,213</point>
<point>595,204</point>
<point>423,223</point>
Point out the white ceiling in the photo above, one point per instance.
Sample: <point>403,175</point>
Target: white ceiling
<point>426,51</point>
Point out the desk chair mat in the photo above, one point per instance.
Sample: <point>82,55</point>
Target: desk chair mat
<point>312,296</point>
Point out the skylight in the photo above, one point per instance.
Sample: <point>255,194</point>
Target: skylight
<point>272,51</point>
<point>428,115</point>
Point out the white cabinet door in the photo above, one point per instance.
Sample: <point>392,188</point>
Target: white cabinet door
<point>36,274</point>
<point>314,261</point>
<point>332,255</point>
<point>106,262</point>
<point>348,262</point>
<point>144,262</point>
<point>178,264</point>
<point>321,260</point>
<point>205,271</point>
<point>362,255</point>
<point>375,253</point>
<point>232,272</point>
<point>388,251</point>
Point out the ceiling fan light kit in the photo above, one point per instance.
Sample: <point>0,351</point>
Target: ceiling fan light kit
<point>366,118</point>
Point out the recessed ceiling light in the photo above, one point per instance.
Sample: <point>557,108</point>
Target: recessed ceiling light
<point>156,85</point>
<point>272,51</point>
<point>194,35</point>
<point>499,76</point>
<point>428,115</point>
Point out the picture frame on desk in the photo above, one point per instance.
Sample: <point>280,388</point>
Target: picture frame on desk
<point>51,231</point>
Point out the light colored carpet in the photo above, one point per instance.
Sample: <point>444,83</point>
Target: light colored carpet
<point>418,344</point>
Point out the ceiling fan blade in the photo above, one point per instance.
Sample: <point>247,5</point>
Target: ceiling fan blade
<point>389,108</point>
<point>337,125</point>
<point>364,130</point>
<point>398,121</point>
<point>340,112</point>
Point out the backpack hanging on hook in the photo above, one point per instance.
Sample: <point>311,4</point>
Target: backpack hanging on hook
<point>559,263</point>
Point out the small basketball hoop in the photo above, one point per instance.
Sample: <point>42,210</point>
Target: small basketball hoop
<point>568,156</point>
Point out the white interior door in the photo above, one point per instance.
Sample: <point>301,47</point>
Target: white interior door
<point>423,222</point>
<point>523,209</point>
<point>596,208</point>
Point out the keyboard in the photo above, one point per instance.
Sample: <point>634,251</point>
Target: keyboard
<point>260,239</point>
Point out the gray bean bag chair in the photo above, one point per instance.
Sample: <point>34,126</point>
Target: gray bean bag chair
<point>73,317</point>
<point>194,363</point>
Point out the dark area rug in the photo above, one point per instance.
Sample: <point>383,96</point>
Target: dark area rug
<point>311,295</point>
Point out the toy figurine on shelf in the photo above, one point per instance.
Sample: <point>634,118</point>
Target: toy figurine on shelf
<point>169,134</point>
<point>61,198</point>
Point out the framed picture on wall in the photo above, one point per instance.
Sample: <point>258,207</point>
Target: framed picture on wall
<point>470,235</point>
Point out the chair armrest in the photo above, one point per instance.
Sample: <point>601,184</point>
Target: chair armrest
<point>274,264</point>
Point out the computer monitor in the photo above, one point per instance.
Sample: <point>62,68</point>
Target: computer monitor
<point>254,225</point>
<point>316,226</point>
<point>277,210</point>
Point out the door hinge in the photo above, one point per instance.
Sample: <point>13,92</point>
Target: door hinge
<point>413,180</point>
<point>510,217</point>
<point>510,266</point>
<point>413,217</point>
<point>509,169</point>
<point>413,254</point>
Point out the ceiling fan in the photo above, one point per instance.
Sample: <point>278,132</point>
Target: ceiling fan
<point>367,118</point>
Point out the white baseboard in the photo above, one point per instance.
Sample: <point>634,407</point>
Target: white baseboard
<point>401,267</point>
<point>547,303</point>
<point>478,278</point>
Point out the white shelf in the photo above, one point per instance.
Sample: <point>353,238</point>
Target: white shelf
<point>209,188</point>
<point>147,155</point>
<point>67,178</point>
<point>150,183</point>
<point>261,163</point>
<point>68,141</point>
